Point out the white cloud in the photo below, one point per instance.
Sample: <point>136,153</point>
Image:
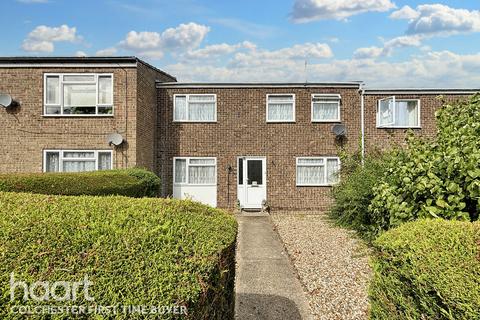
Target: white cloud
<point>42,38</point>
<point>107,52</point>
<point>153,44</point>
<point>406,12</point>
<point>433,69</point>
<point>368,53</point>
<point>80,54</point>
<point>311,10</point>
<point>439,19</point>
<point>388,47</point>
<point>217,50</point>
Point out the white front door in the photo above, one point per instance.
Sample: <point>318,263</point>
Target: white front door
<point>252,182</point>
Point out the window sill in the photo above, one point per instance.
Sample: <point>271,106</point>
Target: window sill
<point>190,121</point>
<point>315,185</point>
<point>78,115</point>
<point>193,185</point>
<point>281,121</point>
<point>326,121</point>
<point>398,127</point>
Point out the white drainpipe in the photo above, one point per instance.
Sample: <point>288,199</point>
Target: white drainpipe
<point>362,125</point>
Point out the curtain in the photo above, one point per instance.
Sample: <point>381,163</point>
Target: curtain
<point>105,90</point>
<point>201,111</point>
<point>406,114</point>
<point>52,162</point>
<point>310,175</point>
<point>78,166</point>
<point>79,95</point>
<point>280,111</point>
<point>386,112</point>
<point>180,171</point>
<point>201,174</point>
<point>180,108</point>
<point>202,161</point>
<point>104,161</point>
<point>332,171</point>
<point>53,90</point>
<point>325,111</point>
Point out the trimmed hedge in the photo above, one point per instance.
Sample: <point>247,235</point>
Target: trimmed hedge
<point>153,252</point>
<point>133,182</point>
<point>428,269</point>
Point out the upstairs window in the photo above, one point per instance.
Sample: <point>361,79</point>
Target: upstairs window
<point>281,108</point>
<point>398,113</point>
<point>317,171</point>
<point>77,160</point>
<point>325,108</point>
<point>78,94</point>
<point>195,108</point>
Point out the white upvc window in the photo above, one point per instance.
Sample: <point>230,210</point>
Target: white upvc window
<point>398,113</point>
<point>317,171</point>
<point>195,171</point>
<point>280,107</point>
<point>326,107</point>
<point>79,94</point>
<point>77,160</point>
<point>195,107</point>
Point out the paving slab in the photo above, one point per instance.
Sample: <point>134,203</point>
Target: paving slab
<point>266,285</point>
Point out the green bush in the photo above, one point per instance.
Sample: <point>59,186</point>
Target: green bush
<point>354,192</point>
<point>437,177</point>
<point>153,252</point>
<point>126,182</point>
<point>428,269</point>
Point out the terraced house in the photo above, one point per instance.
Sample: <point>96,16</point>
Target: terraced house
<point>224,144</point>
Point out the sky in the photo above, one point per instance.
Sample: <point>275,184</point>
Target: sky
<point>385,43</point>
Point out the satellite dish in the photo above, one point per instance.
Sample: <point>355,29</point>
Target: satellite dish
<point>5,100</point>
<point>339,130</point>
<point>115,139</point>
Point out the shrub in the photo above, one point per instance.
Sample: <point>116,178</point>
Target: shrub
<point>434,178</point>
<point>127,182</point>
<point>153,252</point>
<point>428,269</point>
<point>355,192</point>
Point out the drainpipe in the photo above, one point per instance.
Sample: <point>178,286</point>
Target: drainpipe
<point>362,117</point>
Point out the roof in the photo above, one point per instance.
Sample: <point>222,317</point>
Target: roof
<point>30,62</point>
<point>413,91</point>
<point>353,84</point>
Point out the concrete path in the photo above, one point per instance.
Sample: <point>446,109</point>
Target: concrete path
<point>266,286</point>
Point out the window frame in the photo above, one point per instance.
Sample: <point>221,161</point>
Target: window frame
<point>187,95</point>
<point>280,94</point>
<point>324,158</point>
<point>62,157</point>
<point>61,83</point>
<point>187,163</point>
<point>395,100</point>
<point>338,102</point>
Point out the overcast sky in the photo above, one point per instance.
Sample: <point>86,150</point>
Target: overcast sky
<point>382,42</point>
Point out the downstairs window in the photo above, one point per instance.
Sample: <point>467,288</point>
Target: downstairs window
<point>77,160</point>
<point>317,171</point>
<point>195,171</point>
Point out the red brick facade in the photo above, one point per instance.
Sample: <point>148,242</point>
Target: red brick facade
<point>143,115</point>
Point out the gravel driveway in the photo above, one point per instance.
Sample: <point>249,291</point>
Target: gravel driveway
<point>331,262</point>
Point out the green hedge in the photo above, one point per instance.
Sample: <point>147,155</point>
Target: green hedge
<point>429,269</point>
<point>153,252</point>
<point>127,182</point>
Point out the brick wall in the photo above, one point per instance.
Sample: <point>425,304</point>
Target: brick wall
<point>25,133</point>
<point>241,130</point>
<point>146,114</point>
<point>384,138</point>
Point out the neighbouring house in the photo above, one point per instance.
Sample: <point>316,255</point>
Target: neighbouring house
<point>224,144</point>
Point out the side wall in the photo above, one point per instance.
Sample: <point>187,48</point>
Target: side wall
<point>241,130</point>
<point>386,138</point>
<point>26,132</point>
<point>145,122</point>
